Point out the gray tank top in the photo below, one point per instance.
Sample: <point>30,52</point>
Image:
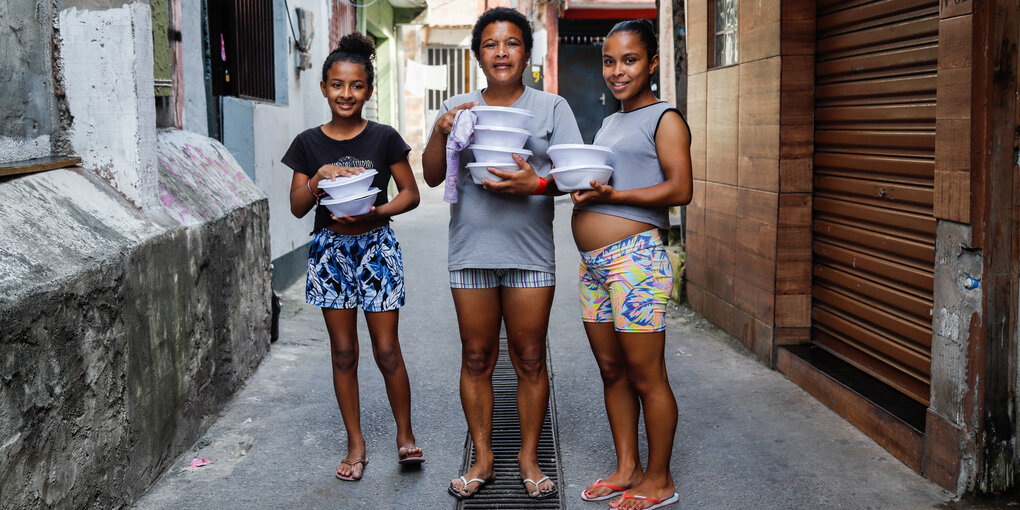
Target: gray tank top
<point>635,163</point>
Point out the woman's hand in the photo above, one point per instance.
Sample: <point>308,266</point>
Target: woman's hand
<point>598,193</point>
<point>522,182</point>
<point>445,122</point>
<point>349,220</point>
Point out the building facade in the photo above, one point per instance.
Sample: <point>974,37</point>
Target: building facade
<point>854,219</point>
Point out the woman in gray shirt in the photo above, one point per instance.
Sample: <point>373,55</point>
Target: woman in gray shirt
<point>501,257</point>
<point>625,274</point>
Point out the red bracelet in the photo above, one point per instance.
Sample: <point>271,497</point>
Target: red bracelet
<point>308,184</point>
<point>542,183</point>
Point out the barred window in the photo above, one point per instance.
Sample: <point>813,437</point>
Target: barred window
<point>241,48</point>
<point>460,76</point>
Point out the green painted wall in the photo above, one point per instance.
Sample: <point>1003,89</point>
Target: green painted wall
<point>377,20</point>
<point>161,69</point>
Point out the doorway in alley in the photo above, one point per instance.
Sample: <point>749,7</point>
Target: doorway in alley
<point>874,161</point>
<point>580,72</point>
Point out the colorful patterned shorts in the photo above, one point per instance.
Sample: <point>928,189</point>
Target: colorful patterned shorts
<point>363,270</point>
<point>627,283</point>
<point>492,278</point>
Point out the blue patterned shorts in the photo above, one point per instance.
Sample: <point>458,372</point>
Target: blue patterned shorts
<point>365,270</point>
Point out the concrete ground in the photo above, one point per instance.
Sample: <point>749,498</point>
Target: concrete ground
<point>747,437</point>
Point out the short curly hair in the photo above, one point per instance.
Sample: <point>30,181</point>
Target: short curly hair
<point>497,14</point>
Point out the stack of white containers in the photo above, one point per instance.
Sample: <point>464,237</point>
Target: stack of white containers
<point>499,134</point>
<point>350,195</point>
<point>576,165</point>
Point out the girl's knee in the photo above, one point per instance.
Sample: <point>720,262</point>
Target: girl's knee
<point>389,361</point>
<point>612,371</point>
<point>647,379</point>
<point>345,360</point>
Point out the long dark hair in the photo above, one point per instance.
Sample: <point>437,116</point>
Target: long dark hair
<point>354,47</point>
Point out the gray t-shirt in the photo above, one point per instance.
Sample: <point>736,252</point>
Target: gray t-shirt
<point>635,161</point>
<point>490,230</point>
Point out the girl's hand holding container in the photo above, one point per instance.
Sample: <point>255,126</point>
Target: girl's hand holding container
<point>597,193</point>
<point>331,172</point>
<point>348,219</point>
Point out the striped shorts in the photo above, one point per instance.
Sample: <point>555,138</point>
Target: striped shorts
<point>492,278</point>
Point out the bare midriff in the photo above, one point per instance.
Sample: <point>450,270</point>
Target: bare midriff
<point>594,230</point>
<point>356,228</point>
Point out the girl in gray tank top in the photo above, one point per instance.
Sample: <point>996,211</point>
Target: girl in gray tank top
<point>625,276</point>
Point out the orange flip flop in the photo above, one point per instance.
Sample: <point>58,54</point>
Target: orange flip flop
<point>617,490</point>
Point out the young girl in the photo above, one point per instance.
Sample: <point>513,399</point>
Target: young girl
<point>625,274</point>
<point>356,261</point>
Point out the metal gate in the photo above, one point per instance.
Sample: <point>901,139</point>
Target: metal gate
<point>874,165</point>
<point>460,76</point>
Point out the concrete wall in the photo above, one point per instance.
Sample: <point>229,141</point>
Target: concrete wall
<point>124,331</point>
<point>106,64</point>
<point>196,117</point>
<point>135,290</point>
<point>450,13</point>
<point>956,315</point>
<point>26,89</point>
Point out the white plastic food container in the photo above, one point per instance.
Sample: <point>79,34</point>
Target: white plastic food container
<point>573,178</point>
<point>502,116</point>
<point>480,171</point>
<point>346,186</point>
<point>496,136</point>
<point>575,154</point>
<point>352,205</point>
<point>496,155</point>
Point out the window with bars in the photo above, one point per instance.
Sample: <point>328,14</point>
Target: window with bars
<point>241,48</point>
<point>722,40</point>
<point>460,77</point>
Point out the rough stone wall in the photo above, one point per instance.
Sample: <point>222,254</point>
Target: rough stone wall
<point>123,331</point>
<point>958,310</point>
<point>26,119</point>
<point>106,66</point>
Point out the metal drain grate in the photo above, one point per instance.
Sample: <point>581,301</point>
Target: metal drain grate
<point>506,492</point>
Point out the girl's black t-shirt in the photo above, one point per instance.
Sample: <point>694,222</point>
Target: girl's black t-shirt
<point>378,146</point>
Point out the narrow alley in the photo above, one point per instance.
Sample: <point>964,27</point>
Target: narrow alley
<point>747,436</point>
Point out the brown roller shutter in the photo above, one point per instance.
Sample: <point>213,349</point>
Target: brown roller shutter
<point>874,231</point>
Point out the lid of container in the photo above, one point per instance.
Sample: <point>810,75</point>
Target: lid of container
<point>340,181</point>
<point>508,109</point>
<point>478,164</point>
<point>501,149</point>
<point>580,167</point>
<point>482,127</point>
<point>356,196</point>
